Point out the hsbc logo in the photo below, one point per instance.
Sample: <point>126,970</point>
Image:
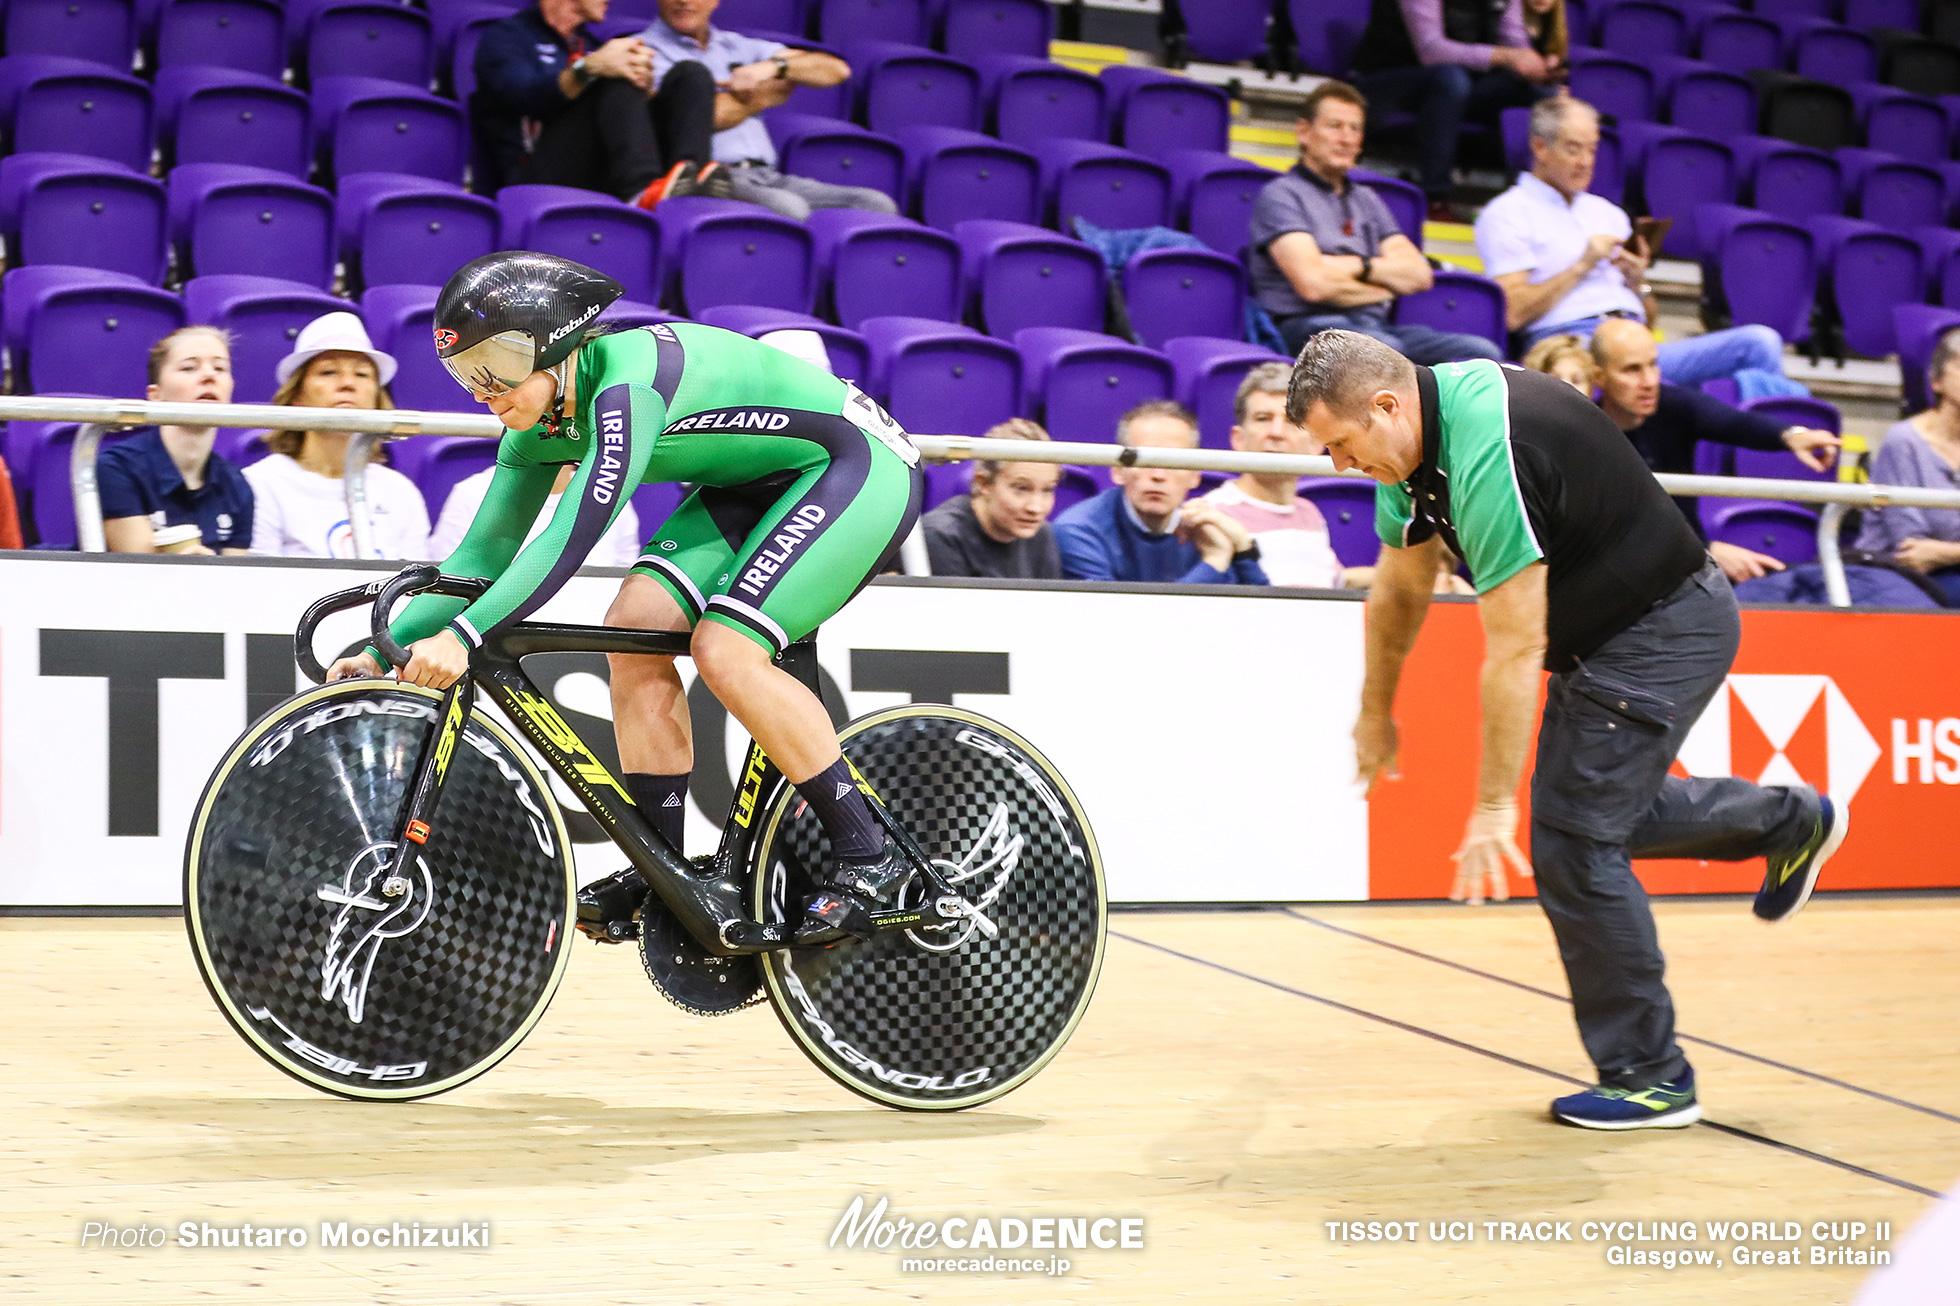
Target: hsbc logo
<point>1785,730</point>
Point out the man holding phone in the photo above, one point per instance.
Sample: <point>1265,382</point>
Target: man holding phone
<point>1569,260</point>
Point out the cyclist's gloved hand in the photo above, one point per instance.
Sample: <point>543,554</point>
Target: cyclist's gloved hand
<point>361,664</point>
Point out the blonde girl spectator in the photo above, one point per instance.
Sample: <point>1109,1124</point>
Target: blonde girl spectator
<point>302,497</point>
<point>999,528</point>
<point>1566,358</point>
<point>1544,23</point>
<point>159,478</point>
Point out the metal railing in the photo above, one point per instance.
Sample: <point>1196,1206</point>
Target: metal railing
<point>372,427</point>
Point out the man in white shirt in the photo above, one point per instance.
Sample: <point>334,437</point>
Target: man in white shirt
<point>1567,260</point>
<point>618,547</point>
<point>752,75</point>
<point>1294,546</point>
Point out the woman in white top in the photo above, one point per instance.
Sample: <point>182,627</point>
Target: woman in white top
<point>302,498</point>
<point>618,547</point>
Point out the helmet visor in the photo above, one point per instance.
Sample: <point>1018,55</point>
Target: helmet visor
<point>494,365</point>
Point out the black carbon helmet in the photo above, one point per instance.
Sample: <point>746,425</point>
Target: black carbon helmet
<point>507,315</point>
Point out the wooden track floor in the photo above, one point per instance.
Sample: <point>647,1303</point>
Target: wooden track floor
<point>1241,1080</point>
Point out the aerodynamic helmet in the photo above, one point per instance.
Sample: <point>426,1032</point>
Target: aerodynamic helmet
<point>507,315</point>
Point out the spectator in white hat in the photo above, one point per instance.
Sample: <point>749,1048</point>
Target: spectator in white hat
<point>302,498</point>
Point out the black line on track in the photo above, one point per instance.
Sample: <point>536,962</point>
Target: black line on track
<point>1685,1038</point>
<point>1549,1073</point>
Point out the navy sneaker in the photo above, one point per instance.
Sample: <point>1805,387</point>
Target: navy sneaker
<point>1663,1106</point>
<point>1793,874</point>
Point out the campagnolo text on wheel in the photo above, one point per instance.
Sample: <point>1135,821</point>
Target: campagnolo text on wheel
<point>378,883</point>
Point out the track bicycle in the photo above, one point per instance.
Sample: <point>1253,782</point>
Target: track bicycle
<point>380,895</point>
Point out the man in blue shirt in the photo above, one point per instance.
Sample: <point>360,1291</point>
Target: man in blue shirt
<point>1142,530</point>
<point>751,75</point>
<point>555,106</point>
<point>141,477</point>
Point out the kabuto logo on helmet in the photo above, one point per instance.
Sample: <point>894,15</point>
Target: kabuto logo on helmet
<point>445,338</point>
<point>573,325</point>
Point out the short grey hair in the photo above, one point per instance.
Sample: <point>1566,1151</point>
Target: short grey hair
<point>1548,116</point>
<point>1157,408</point>
<point>1943,352</point>
<point>1265,379</point>
<point>1343,369</point>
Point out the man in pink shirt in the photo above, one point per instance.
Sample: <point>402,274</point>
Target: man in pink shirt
<point>1292,536</point>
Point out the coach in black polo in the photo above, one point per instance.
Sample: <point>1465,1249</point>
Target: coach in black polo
<point>1581,564</point>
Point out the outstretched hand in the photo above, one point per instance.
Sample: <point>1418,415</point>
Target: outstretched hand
<point>1490,841</point>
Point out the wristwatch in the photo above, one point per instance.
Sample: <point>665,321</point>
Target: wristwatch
<point>582,73</point>
<point>782,67</point>
<point>1367,268</point>
<point>1249,554</point>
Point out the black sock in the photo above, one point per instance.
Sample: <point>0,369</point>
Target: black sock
<point>847,819</point>
<point>662,800</point>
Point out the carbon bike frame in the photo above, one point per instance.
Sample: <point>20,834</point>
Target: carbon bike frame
<point>710,902</point>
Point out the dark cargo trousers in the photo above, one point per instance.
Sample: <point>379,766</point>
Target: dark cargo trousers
<point>1601,796</point>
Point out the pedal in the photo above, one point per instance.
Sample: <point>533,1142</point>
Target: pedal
<point>609,908</point>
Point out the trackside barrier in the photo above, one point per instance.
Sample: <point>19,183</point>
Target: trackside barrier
<point>370,428</point>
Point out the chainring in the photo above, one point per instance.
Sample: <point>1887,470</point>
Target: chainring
<point>687,974</point>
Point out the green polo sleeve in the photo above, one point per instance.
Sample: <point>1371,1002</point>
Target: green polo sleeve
<point>1395,518</point>
<point>1487,498</point>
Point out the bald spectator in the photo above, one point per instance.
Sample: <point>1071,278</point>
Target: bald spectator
<point>1450,61</point>
<point>1000,526</point>
<point>1141,529</point>
<point>1567,261</point>
<point>1665,421</point>
<point>1326,253</point>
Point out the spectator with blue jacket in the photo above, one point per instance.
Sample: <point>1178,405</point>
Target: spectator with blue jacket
<point>1143,530</point>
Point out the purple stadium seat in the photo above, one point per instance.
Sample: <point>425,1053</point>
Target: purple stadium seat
<point>1184,292</point>
<point>1867,14</point>
<point>1783,531</point>
<point>1705,99</point>
<point>940,378</point>
<point>909,21</point>
<point>1898,122</point>
<point>264,316</point>
<point>1212,195</point>
<point>1022,276</point>
<point>440,461</point>
<point>1739,42</point>
<point>1893,191</point>
<point>944,480</point>
<point>620,240</point>
<point>50,490</point>
<point>1677,171</point>
<point>1328,34</point>
<point>1348,504</point>
<point>829,149</point>
<point>1205,373</point>
<point>1798,410</point>
<point>970,28</point>
<point>850,355</point>
<point>1814,10</point>
<point>1762,267</point>
<point>1224,31</point>
<point>222,115</point>
<point>1942,253</point>
<point>401,319</point>
<point>1614,84</point>
<point>1110,186</point>
<point>1827,52</point>
<point>359,38</point>
<point>1919,327</point>
<point>771,15</point>
<point>79,212</point>
<point>248,35</point>
<point>1405,200</point>
<point>1642,31</point>
<point>362,122</point>
<point>52,102</point>
<point>1082,382</point>
<point>227,218</point>
<point>1153,111</point>
<point>718,252</point>
<point>1788,180</point>
<point>102,30</point>
<point>395,229</point>
<point>1029,100</point>
<point>953,175</point>
<point>1864,270</point>
<point>1458,301</point>
<point>82,330</point>
<point>628,313</point>
<point>876,265</point>
<point>899,85</point>
<point>458,29</point>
